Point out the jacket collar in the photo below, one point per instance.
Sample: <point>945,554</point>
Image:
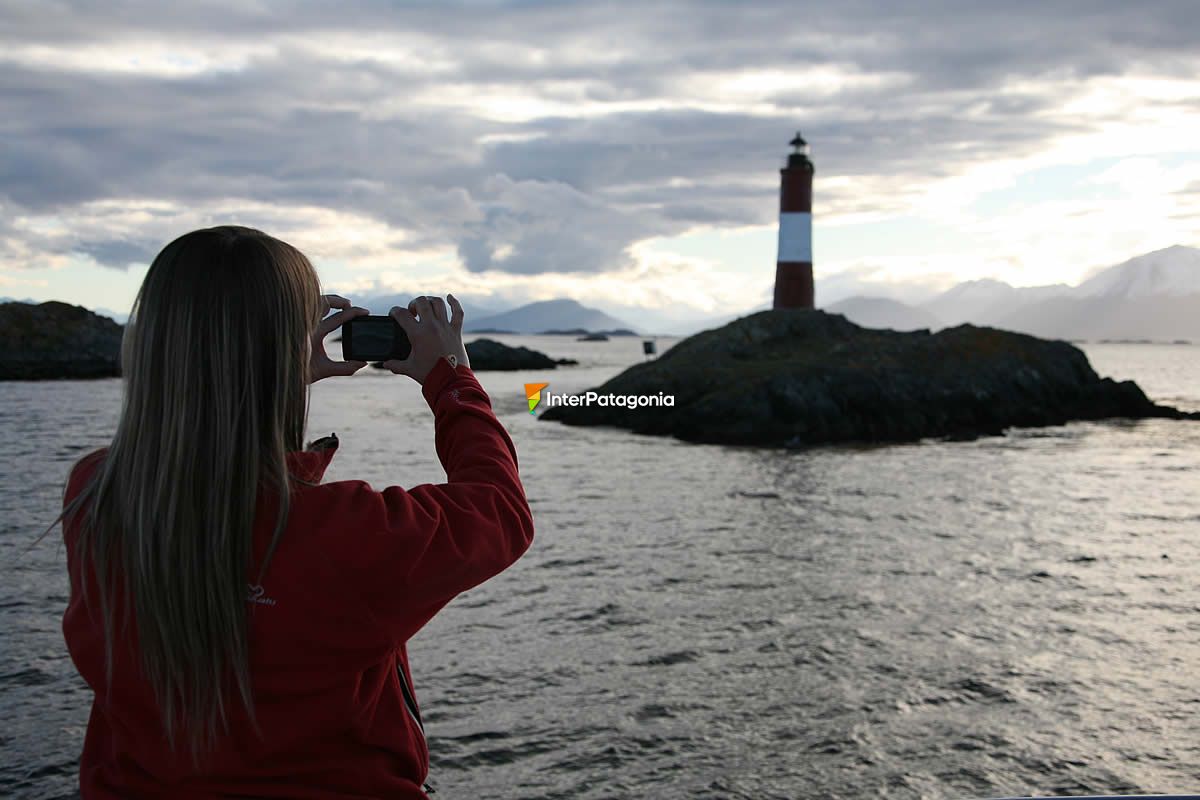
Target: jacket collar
<point>310,463</point>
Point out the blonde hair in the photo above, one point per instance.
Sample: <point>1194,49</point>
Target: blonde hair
<point>215,364</point>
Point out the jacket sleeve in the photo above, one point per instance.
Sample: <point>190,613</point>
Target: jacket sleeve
<point>436,540</point>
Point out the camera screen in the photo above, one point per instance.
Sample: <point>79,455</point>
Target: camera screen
<point>372,339</point>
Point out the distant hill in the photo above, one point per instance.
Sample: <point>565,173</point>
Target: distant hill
<point>120,318</point>
<point>380,304</point>
<point>882,312</point>
<point>985,301</point>
<point>547,315</point>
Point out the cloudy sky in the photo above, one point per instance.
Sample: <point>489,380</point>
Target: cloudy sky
<point>624,154</point>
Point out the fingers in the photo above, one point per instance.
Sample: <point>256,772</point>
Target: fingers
<point>406,319</point>
<point>421,307</point>
<point>335,321</point>
<point>457,308</point>
<point>431,332</point>
<point>336,301</point>
<point>329,301</point>
<point>433,307</point>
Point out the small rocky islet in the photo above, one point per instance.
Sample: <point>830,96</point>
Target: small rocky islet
<point>488,355</point>
<point>792,378</point>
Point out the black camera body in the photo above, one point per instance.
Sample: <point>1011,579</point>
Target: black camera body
<point>374,338</point>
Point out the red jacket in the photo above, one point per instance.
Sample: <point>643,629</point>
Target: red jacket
<point>356,573</point>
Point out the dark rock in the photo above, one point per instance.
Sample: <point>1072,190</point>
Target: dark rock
<point>793,378</point>
<point>57,340</point>
<point>488,354</point>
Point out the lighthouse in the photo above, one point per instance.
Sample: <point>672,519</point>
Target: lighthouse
<point>793,268</point>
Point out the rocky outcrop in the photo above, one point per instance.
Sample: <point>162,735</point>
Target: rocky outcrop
<point>793,378</point>
<point>57,340</point>
<point>488,354</point>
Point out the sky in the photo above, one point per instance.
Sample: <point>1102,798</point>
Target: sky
<point>626,155</point>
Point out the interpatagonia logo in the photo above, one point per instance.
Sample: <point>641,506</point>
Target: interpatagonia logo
<point>533,393</point>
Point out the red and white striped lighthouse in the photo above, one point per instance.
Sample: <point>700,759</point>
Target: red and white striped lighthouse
<point>793,269</point>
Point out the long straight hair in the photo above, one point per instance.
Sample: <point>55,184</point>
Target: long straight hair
<point>215,364</point>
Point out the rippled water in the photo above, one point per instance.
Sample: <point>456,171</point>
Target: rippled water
<point>1013,615</point>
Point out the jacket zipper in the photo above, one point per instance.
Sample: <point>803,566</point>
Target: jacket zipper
<point>411,704</point>
<point>409,701</point>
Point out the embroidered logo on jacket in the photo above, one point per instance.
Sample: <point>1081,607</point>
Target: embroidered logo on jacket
<point>255,595</point>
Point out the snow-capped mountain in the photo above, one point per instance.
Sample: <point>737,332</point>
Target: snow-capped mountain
<point>1173,271</point>
<point>1154,296</point>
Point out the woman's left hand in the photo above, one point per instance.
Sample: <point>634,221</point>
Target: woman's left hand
<point>322,366</point>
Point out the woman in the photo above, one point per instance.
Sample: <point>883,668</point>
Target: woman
<point>242,624</point>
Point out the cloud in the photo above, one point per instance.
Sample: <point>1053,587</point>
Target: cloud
<point>533,138</point>
<point>534,226</point>
<point>118,254</point>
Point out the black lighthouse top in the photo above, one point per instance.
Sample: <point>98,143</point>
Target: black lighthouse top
<point>798,158</point>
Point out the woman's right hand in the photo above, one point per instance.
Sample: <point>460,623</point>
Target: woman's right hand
<point>432,333</point>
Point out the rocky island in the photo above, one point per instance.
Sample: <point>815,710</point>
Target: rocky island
<point>789,378</point>
<point>57,340</point>
<point>488,355</point>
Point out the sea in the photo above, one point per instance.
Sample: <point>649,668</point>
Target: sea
<point>1008,616</point>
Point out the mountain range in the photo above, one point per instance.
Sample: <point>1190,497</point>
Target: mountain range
<point>547,315</point>
<point>1155,297</point>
